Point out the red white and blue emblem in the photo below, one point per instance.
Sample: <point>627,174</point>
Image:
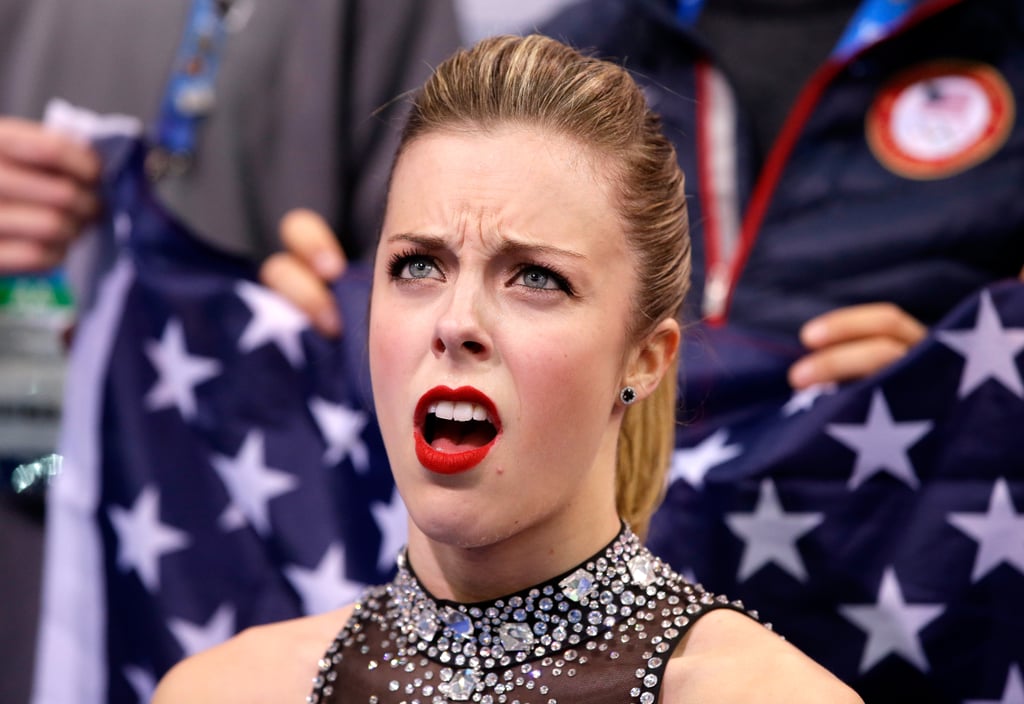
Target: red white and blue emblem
<point>940,118</point>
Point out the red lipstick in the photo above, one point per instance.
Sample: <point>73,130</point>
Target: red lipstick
<point>446,460</point>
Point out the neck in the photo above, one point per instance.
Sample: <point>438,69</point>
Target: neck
<point>532,556</point>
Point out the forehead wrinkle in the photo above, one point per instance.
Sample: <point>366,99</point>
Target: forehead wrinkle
<point>505,246</point>
<point>473,220</point>
<point>434,242</point>
<point>498,242</point>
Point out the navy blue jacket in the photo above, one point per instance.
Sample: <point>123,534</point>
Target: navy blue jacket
<point>841,211</point>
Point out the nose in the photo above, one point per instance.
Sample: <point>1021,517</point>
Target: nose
<point>460,331</point>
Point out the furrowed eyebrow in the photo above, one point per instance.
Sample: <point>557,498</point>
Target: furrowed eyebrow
<point>514,248</point>
<point>425,241</point>
<point>507,248</point>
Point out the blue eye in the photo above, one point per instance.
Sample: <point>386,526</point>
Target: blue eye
<point>417,269</point>
<point>541,278</point>
<point>537,278</point>
<point>414,266</point>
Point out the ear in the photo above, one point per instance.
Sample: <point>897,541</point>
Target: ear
<point>652,357</point>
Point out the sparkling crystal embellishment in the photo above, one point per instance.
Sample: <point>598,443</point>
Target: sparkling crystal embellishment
<point>516,637</point>
<point>577,585</point>
<point>463,683</point>
<point>612,623</point>
<point>642,570</point>
<point>459,622</point>
<point>426,625</point>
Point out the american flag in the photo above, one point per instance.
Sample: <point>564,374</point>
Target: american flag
<point>879,525</point>
<point>222,465</point>
<point>223,468</point>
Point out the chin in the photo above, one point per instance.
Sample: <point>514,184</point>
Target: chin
<point>458,529</point>
<point>460,526</point>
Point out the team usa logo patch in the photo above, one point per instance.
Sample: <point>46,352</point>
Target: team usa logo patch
<point>938,119</point>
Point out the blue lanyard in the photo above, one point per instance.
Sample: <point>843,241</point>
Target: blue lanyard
<point>873,19</point>
<point>190,91</point>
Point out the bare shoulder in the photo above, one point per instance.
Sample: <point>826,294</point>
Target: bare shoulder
<point>726,657</point>
<point>272,663</point>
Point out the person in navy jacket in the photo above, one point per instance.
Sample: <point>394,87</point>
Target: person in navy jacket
<point>853,164</point>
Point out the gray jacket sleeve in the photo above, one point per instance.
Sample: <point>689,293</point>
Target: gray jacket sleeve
<point>287,87</point>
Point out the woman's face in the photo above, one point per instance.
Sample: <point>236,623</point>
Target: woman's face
<point>498,344</point>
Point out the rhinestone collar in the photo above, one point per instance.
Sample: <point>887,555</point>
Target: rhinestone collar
<point>487,651</point>
<point>530,624</point>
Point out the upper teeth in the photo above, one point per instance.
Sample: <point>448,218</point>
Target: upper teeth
<point>460,410</point>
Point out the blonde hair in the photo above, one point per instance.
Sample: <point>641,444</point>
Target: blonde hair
<point>537,81</point>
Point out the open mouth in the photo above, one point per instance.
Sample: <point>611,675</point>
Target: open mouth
<point>454,429</point>
<point>457,426</point>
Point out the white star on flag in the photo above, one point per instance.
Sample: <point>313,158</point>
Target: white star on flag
<point>195,638</point>
<point>177,372</point>
<point>892,625</point>
<point>324,587</point>
<point>275,320</point>
<point>881,443</point>
<point>1013,692</point>
<point>251,484</point>
<point>804,399</point>
<point>999,533</point>
<point>141,681</point>
<point>770,534</point>
<point>693,463</point>
<point>142,539</point>
<point>341,428</point>
<point>989,350</point>
<point>393,521</point>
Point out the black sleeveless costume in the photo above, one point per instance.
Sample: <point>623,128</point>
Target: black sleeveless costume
<point>601,633</point>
